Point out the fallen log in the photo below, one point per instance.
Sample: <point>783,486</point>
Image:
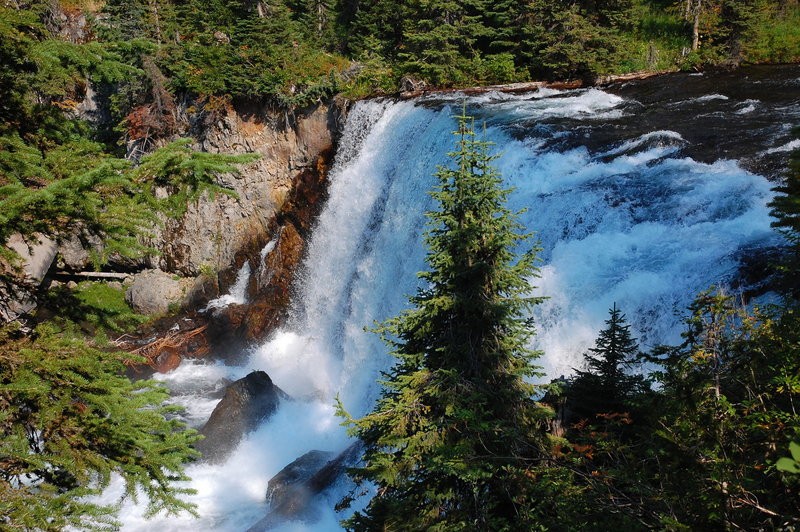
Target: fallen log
<point>529,86</point>
<point>100,275</point>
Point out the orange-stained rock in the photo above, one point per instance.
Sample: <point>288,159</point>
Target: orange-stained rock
<point>168,359</point>
<point>262,318</point>
<point>228,331</point>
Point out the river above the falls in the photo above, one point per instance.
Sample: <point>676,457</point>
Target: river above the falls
<point>641,194</point>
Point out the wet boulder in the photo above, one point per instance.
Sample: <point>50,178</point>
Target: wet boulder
<point>292,491</point>
<point>336,469</point>
<point>298,472</point>
<point>246,404</point>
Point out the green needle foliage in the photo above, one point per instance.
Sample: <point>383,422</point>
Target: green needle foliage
<point>100,196</point>
<point>69,422</point>
<point>786,211</point>
<point>456,435</point>
<point>605,387</point>
<point>727,410</point>
<point>55,181</point>
<point>186,173</point>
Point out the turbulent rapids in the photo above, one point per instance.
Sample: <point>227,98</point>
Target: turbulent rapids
<point>638,195</point>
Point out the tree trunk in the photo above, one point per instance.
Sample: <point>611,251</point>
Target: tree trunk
<point>154,6</point>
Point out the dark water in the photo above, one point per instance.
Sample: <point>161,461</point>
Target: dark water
<point>746,115</point>
<point>762,107</point>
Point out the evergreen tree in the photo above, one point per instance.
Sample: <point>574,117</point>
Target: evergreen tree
<point>727,413</point>
<point>69,420</point>
<point>321,17</point>
<point>379,26</point>
<point>557,40</point>
<point>786,211</point>
<point>18,30</point>
<point>604,387</point>
<point>442,40</point>
<point>502,17</point>
<point>455,438</point>
<point>613,349</point>
<point>126,19</point>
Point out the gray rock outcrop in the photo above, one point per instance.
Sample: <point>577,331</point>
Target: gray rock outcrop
<point>212,232</point>
<point>246,404</point>
<point>35,258</point>
<point>73,254</point>
<point>153,291</point>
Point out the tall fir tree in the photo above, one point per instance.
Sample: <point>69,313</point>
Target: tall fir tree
<point>456,436</point>
<point>441,42</point>
<point>557,40</point>
<point>604,386</point>
<point>786,211</point>
<point>502,16</point>
<point>378,27</point>
<point>321,21</point>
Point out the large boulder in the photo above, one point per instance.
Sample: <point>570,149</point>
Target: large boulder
<point>74,254</point>
<point>292,491</point>
<point>36,257</point>
<point>298,472</point>
<point>335,470</point>
<point>246,404</point>
<point>153,291</point>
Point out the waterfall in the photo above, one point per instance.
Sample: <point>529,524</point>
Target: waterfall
<point>629,219</point>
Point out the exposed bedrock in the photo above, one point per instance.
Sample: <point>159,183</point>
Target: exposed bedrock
<point>279,197</point>
<point>215,233</point>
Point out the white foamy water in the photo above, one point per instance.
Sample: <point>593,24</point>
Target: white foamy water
<point>545,104</point>
<point>747,106</point>
<point>701,99</point>
<point>789,146</point>
<point>636,224</point>
<point>232,496</point>
<point>661,139</point>
<point>237,295</point>
<point>711,97</point>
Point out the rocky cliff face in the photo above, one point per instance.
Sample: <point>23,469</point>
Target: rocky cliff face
<point>213,233</point>
<point>266,226</point>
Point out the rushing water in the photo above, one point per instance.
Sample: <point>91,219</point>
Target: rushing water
<point>640,194</point>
